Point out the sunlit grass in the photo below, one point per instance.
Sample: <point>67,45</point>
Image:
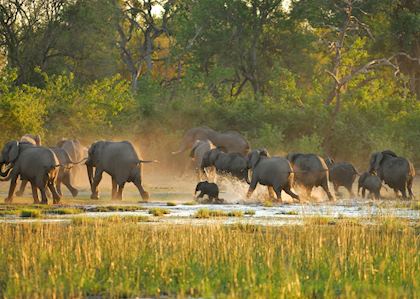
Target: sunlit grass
<point>120,257</point>
<point>159,211</point>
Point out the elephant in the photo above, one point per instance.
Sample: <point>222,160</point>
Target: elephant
<point>232,163</point>
<point>76,151</point>
<point>229,142</point>
<point>30,138</point>
<point>66,164</point>
<point>397,172</point>
<point>341,174</point>
<point>198,150</point>
<point>275,173</point>
<point>370,182</point>
<point>36,164</point>
<point>120,161</point>
<point>209,189</point>
<point>310,171</point>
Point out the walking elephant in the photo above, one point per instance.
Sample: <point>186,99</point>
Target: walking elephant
<point>276,173</point>
<point>197,153</point>
<point>341,174</point>
<point>36,164</point>
<point>120,161</point>
<point>229,142</point>
<point>310,171</point>
<point>232,163</point>
<point>397,172</point>
<point>63,176</point>
<point>76,152</point>
<point>370,182</point>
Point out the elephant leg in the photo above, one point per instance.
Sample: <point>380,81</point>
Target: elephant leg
<point>44,199</point>
<point>363,192</point>
<point>277,190</point>
<point>58,186</point>
<point>120,191</point>
<point>271,192</point>
<point>409,186</point>
<point>12,188</point>
<point>114,189</point>
<point>289,192</point>
<point>325,187</point>
<point>349,189</point>
<point>252,187</point>
<point>144,194</point>
<point>403,192</point>
<point>95,182</point>
<point>22,188</point>
<point>67,182</point>
<point>56,197</point>
<point>35,193</point>
<point>335,188</point>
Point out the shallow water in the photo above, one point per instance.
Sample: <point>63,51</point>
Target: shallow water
<point>279,214</point>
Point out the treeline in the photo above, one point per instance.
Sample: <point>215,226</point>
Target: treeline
<point>340,78</point>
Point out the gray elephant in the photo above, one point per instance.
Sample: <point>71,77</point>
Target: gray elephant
<point>229,142</point>
<point>76,151</point>
<point>36,164</point>
<point>66,164</point>
<point>200,147</point>
<point>370,182</point>
<point>341,174</point>
<point>310,171</point>
<point>276,173</point>
<point>32,139</point>
<point>397,172</point>
<point>233,164</point>
<point>120,161</point>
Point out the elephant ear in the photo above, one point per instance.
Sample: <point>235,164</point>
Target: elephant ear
<point>195,145</point>
<point>264,153</point>
<point>13,151</point>
<point>61,142</point>
<point>254,158</point>
<point>375,163</point>
<point>37,139</point>
<point>292,157</point>
<point>389,153</point>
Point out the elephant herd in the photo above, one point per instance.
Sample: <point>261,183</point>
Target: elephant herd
<point>229,153</point>
<point>211,152</point>
<point>46,168</point>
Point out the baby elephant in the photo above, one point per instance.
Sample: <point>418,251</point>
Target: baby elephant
<point>209,189</point>
<point>370,182</point>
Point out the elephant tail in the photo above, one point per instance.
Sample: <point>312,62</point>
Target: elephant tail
<point>147,161</point>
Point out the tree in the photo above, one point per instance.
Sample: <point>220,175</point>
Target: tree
<point>139,29</point>
<point>29,33</point>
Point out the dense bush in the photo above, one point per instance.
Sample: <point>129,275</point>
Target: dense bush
<point>293,122</point>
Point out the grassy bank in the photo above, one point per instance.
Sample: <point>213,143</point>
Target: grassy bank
<point>131,259</point>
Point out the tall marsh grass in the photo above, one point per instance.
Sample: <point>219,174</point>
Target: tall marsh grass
<point>128,259</point>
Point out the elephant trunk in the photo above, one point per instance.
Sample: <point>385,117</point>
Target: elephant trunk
<point>181,149</point>
<point>5,175</point>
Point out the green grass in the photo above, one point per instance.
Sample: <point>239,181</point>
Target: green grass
<point>268,203</point>
<point>250,212</point>
<point>64,211</point>
<point>116,208</point>
<point>207,213</point>
<point>190,203</point>
<point>118,257</point>
<point>30,213</point>
<point>171,204</point>
<point>158,211</point>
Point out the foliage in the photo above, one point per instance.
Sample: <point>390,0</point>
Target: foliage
<point>117,257</point>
